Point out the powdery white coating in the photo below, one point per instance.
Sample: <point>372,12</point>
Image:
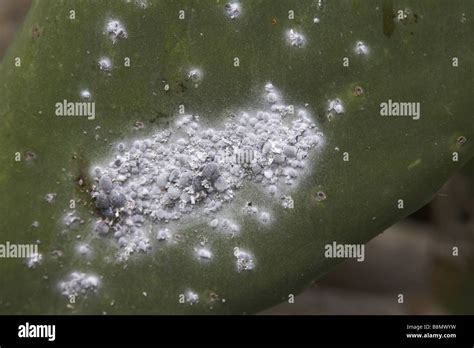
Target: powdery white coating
<point>101,228</point>
<point>191,297</point>
<point>85,94</point>
<point>225,226</point>
<point>135,242</point>
<point>244,261</point>
<point>336,106</point>
<point>253,211</point>
<point>179,172</point>
<point>214,223</point>
<point>50,197</point>
<point>287,202</point>
<point>295,39</point>
<point>78,283</point>
<point>264,217</point>
<point>361,48</point>
<point>195,74</point>
<point>204,253</point>
<point>70,218</point>
<point>163,234</point>
<point>115,30</point>
<point>143,4</point>
<point>34,260</point>
<point>83,249</point>
<point>232,10</point>
<point>105,64</point>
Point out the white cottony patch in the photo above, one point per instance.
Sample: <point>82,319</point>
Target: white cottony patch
<point>79,283</point>
<point>115,30</point>
<point>336,106</point>
<point>232,10</point>
<point>192,297</point>
<point>136,242</point>
<point>178,173</point>
<point>163,234</point>
<point>195,74</point>
<point>34,260</point>
<point>316,20</point>
<point>264,217</point>
<point>83,249</point>
<point>70,218</point>
<point>139,3</point>
<point>225,226</point>
<point>287,202</point>
<point>204,253</point>
<point>295,39</point>
<point>50,197</point>
<point>361,48</point>
<point>245,260</point>
<point>214,223</point>
<point>85,94</point>
<point>251,210</point>
<point>105,64</point>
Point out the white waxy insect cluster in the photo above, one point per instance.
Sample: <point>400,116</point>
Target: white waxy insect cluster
<point>192,297</point>
<point>295,39</point>
<point>232,10</point>
<point>105,64</point>
<point>115,30</point>
<point>361,48</point>
<point>50,197</point>
<point>336,106</point>
<point>34,260</point>
<point>245,261</point>
<point>190,169</point>
<point>79,283</point>
<point>85,94</point>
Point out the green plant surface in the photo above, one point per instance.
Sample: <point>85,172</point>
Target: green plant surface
<point>390,158</point>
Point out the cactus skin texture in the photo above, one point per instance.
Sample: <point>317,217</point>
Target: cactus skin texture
<point>391,158</point>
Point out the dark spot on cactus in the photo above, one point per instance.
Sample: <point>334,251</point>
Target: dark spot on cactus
<point>358,91</point>
<point>36,32</point>
<point>29,156</point>
<point>274,21</point>
<point>81,181</point>
<point>138,125</point>
<point>182,87</point>
<point>461,140</point>
<point>320,196</point>
<point>213,296</point>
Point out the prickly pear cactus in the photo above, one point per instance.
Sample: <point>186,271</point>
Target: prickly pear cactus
<point>198,156</point>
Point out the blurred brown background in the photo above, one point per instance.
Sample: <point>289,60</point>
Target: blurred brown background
<point>413,258</point>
